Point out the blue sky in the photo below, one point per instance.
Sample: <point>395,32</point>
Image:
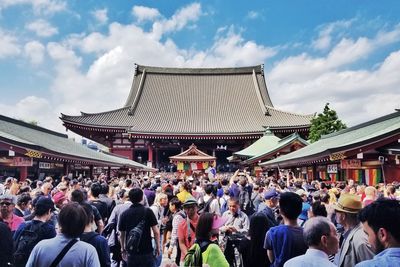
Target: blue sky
<point>70,56</point>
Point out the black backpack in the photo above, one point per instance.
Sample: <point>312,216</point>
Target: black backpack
<point>135,235</point>
<point>206,207</point>
<point>29,237</point>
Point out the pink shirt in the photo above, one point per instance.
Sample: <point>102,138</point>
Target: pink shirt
<point>14,222</point>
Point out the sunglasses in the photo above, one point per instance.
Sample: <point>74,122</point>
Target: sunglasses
<point>5,203</point>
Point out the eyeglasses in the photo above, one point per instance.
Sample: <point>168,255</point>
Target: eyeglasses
<point>5,203</point>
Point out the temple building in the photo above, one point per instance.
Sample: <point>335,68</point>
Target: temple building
<point>220,110</point>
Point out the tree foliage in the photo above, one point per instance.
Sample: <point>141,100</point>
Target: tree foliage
<point>325,123</point>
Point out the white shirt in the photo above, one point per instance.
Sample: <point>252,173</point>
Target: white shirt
<point>312,258</point>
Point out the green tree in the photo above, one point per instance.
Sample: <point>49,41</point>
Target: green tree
<point>325,123</point>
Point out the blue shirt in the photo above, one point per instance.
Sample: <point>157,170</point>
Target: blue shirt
<point>388,257</point>
<point>286,242</point>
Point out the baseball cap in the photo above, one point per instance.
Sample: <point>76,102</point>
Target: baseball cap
<point>45,203</point>
<point>272,193</point>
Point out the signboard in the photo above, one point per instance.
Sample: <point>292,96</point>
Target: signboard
<point>350,164</point>
<point>304,170</point>
<point>44,165</point>
<point>332,168</point>
<point>22,162</point>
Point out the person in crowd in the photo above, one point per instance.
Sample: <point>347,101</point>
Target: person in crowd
<point>6,249</point>
<point>284,242</point>
<point>210,201</point>
<point>251,248</point>
<point>320,236</point>
<point>391,192</point>
<point>128,220</point>
<point>158,208</point>
<point>94,193</point>
<point>187,227</point>
<point>380,221</point>
<point>7,205</point>
<point>370,195</point>
<point>207,238</point>
<point>303,217</point>
<point>185,191</point>
<point>270,206</point>
<point>80,197</point>
<point>39,224</point>
<point>236,220</point>
<point>94,239</point>
<point>105,189</point>
<point>150,194</point>
<point>256,196</point>
<point>354,248</point>
<point>317,209</point>
<point>22,208</point>
<point>79,253</point>
<point>223,201</point>
<point>178,216</point>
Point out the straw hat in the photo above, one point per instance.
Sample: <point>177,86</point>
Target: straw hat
<point>348,203</point>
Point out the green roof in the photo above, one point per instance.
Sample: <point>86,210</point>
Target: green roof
<point>34,137</point>
<point>278,146</point>
<point>265,143</point>
<point>342,141</point>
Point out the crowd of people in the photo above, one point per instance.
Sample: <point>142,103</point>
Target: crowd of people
<point>226,219</point>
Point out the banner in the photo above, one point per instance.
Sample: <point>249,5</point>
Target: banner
<point>350,164</point>
<point>22,162</point>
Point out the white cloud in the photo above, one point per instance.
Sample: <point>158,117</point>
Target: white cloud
<point>323,42</point>
<point>8,45</point>
<point>100,15</point>
<point>179,20</point>
<point>42,28</point>
<point>39,6</point>
<point>252,14</point>
<point>34,51</point>
<point>304,84</point>
<point>143,13</point>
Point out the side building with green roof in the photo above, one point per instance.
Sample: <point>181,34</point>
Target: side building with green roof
<point>368,153</point>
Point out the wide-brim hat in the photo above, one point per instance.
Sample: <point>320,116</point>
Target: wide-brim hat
<point>218,221</point>
<point>348,203</point>
<point>190,201</point>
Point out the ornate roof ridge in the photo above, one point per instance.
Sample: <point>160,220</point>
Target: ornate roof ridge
<point>86,114</point>
<point>291,113</point>
<point>259,69</point>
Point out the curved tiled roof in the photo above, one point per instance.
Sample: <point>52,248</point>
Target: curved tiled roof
<point>28,136</point>
<point>195,102</point>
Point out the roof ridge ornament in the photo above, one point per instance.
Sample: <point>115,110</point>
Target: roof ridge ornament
<point>267,131</point>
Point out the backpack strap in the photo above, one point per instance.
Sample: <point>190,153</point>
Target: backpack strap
<point>64,251</point>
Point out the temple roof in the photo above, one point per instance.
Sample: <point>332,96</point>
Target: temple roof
<point>182,101</point>
<point>337,144</point>
<point>26,137</point>
<point>192,154</point>
<point>272,149</point>
<point>265,143</point>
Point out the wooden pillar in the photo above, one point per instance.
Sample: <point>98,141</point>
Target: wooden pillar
<point>157,157</point>
<point>150,154</point>
<point>23,173</point>
<point>90,171</point>
<point>66,168</point>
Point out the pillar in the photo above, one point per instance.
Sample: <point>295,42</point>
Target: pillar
<point>90,171</point>
<point>150,155</point>
<point>23,173</point>
<point>109,173</point>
